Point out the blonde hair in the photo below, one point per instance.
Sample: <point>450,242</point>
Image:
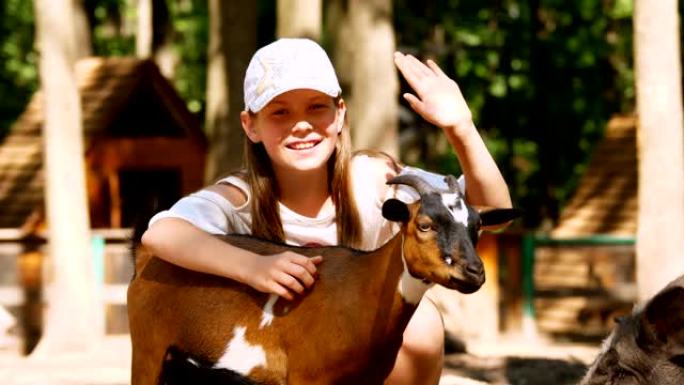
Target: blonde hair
<point>259,175</point>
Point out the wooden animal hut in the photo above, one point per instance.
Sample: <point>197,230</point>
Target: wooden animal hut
<point>142,144</point>
<point>141,141</point>
<point>584,271</point>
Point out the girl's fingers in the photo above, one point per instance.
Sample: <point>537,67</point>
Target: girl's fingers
<point>418,66</point>
<point>407,70</point>
<point>308,263</point>
<point>408,67</point>
<point>290,282</point>
<point>418,75</point>
<point>281,291</point>
<point>292,273</point>
<point>435,68</point>
<point>412,81</point>
<point>300,273</point>
<point>415,103</point>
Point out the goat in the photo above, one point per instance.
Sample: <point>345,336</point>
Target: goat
<point>646,347</point>
<point>346,329</point>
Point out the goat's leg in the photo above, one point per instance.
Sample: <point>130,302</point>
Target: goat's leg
<point>146,366</point>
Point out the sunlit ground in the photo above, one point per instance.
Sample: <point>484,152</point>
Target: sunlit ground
<point>506,361</point>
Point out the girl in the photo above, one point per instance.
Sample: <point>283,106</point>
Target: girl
<point>301,185</point>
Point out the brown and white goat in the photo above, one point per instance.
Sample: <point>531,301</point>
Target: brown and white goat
<point>646,347</point>
<point>189,327</point>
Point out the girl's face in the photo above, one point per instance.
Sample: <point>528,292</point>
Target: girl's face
<point>298,129</point>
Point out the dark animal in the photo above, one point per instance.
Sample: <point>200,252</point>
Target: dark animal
<point>646,347</point>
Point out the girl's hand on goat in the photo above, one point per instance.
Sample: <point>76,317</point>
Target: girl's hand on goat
<point>282,274</point>
<point>438,98</point>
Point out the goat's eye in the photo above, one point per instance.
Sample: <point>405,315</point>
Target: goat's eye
<point>424,227</point>
<point>622,374</point>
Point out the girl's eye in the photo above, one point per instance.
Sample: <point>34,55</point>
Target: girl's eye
<point>279,112</point>
<point>318,107</point>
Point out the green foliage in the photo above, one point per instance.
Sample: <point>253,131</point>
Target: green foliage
<point>190,42</point>
<point>18,60</point>
<point>542,77</point>
<point>113,27</point>
<point>187,35</point>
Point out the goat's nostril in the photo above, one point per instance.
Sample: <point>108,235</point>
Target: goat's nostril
<point>474,269</point>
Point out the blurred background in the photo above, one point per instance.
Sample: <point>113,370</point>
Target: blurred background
<point>150,91</point>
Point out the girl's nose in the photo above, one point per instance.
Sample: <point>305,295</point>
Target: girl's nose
<point>302,125</point>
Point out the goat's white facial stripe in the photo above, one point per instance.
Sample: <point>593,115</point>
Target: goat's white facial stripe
<point>240,356</point>
<point>410,288</point>
<point>267,315</point>
<point>454,203</point>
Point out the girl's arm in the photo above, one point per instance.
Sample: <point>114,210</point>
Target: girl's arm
<point>439,100</point>
<point>181,243</point>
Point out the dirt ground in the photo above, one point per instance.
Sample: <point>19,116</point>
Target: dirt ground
<point>513,370</point>
<point>500,362</point>
<point>519,362</point>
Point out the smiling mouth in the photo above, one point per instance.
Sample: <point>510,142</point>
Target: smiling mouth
<point>303,145</point>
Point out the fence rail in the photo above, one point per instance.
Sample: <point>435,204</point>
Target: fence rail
<point>111,265</point>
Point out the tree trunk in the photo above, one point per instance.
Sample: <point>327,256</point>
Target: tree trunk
<point>84,45</point>
<point>71,317</point>
<point>660,234</point>
<point>338,29</point>
<point>232,41</point>
<point>153,29</point>
<point>144,30</point>
<point>299,18</point>
<point>374,109</point>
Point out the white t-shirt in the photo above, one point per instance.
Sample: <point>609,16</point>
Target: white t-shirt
<point>214,214</point>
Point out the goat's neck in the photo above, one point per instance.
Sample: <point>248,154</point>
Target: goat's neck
<point>396,298</point>
<point>410,288</point>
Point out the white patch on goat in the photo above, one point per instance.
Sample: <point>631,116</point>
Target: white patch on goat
<point>410,288</point>
<point>454,203</point>
<point>267,315</point>
<point>240,356</point>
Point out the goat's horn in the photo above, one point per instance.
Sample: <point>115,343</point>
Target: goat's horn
<point>413,181</point>
<point>452,182</point>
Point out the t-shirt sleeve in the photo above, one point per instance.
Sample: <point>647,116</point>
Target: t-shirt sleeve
<point>204,209</point>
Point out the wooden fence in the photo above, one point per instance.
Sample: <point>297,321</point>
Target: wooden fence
<point>574,287</point>
<point>21,258</point>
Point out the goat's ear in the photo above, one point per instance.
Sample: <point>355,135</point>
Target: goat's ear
<point>662,321</point>
<point>395,210</point>
<point>493,217</point>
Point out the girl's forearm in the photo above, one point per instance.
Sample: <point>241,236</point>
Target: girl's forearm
<point>179,242</point>
<point>485,184</point>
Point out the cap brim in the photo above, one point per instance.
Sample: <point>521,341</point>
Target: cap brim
<point>258,104</point>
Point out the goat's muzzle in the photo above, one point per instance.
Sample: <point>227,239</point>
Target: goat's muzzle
<point>466,286</point>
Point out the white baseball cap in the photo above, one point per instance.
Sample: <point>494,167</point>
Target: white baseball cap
<point>285,65</point>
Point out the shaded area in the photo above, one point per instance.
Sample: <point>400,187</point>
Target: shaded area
<point>516,370</point>
<point>605,201</point>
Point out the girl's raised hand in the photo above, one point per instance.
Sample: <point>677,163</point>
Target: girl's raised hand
<point>437,98</point>
<point>282,274</point>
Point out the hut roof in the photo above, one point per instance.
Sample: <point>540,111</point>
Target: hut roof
<point>605,202</point>
<point>120,96</point>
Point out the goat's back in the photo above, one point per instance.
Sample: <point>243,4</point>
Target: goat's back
<point>199,313</point>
